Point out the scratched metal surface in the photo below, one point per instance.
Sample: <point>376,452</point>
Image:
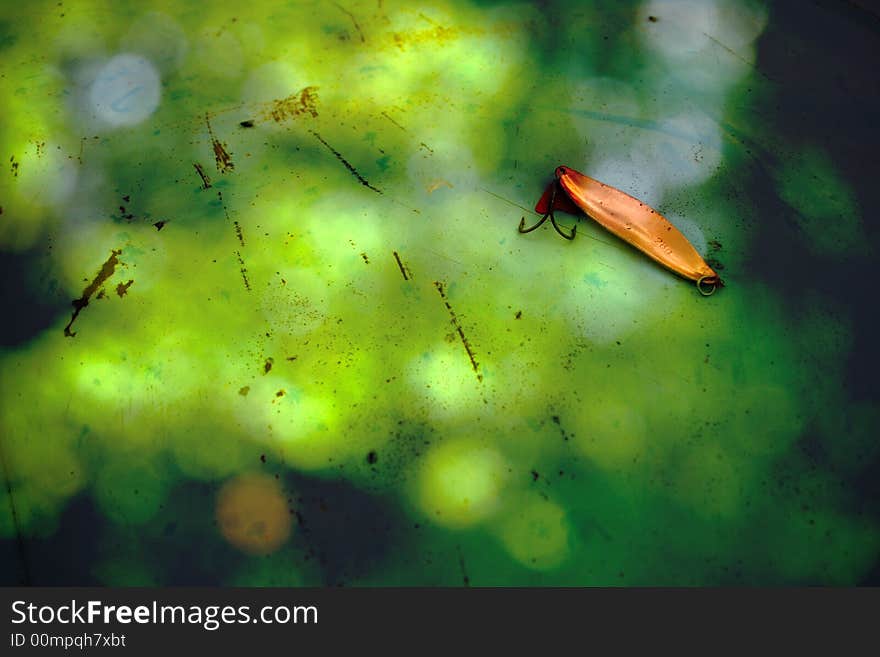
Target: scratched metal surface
<point>268,319</point>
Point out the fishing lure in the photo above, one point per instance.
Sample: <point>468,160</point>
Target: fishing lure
<point>628,218</point>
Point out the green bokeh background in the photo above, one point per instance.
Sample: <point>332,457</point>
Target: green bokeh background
<point>307,319</point>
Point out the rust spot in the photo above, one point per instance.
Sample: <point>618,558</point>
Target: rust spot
<point>123,212</point>
<point>305,101</point>
<point>122,288</point>
<point>13,166</point>
<point>160,224</point>
<point>252,515</point>
<point>364,256</point>
<point>280,393</point>
<point>267,366</point>
<point>653,19</point>
<point>558,422</point>
<point>238,232</point>
<point>247,124</point>
<point>221,156</point>
<point>244,390</point>
<point>715,264</point>
<point>437,34</point>
<point>206,180</point>
<point>106,272</point>
<point>458,329</point>
<point>518,314</point>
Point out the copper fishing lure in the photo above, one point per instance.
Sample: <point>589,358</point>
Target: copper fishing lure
<point>629,219</point>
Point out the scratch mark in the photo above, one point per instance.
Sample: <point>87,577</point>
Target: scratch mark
<point>736,55</point>
<point>464,576</point>
<point>403,268</point>
<point>223,204</point>
<point>243,271</point>
<point>106,272</point>
<point>351,16</point>
<point>206,180</point>
<point>345,162</point>
<point>457,326</point>
<point>633,122</point>
<point>22,553</point>
<point>240,235</point>
<point>385,114</point>
<point>516,205</point>
<point>408,207</point>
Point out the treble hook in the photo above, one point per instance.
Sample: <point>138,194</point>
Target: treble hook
<point>522,221</point>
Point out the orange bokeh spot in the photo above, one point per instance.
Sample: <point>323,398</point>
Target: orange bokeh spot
<point>252,513</point>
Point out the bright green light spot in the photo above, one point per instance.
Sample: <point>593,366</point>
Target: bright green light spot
<point>460,483</point>
<point>535,532</point>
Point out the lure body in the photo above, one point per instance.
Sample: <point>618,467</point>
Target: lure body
<point>631,220</point>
